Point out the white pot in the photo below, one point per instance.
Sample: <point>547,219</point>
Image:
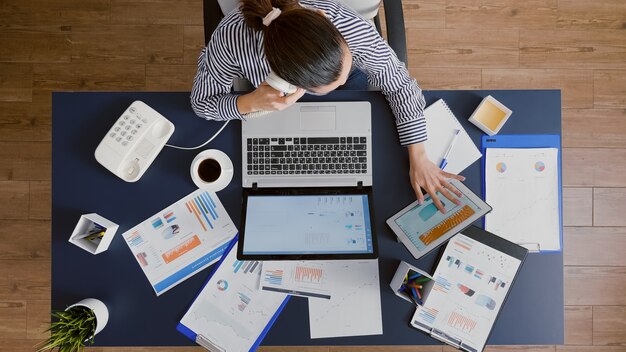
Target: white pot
<point>99,309</point>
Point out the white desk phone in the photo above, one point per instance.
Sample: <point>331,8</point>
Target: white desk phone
<point>134,141</point>
<point>139,134</point>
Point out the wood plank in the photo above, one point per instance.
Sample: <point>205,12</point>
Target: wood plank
<point>447,78</point>
<point>24,279</point>
<point>594,246</point>
<point>13,244</point>
<point>18,345</point>
<point>605,14</point>
<point>25,160</point>
<point>589,348</point>
<point>609,326</point>
<point>609,88</point>
<point>170,77</point>
<point>501,14</point>
<point>493,348</point>
<point>577,206</point>
<point>40,200</point>
<point>156,12</point>
<point>193,43</point>
<point>572,49</point>
<point>385,348</point>
<point>54,12</point>
<point>424,13</point>
<point>14,199</point>
<point>587,167</point>
<point>161,44</point>
<point>12,319</point>
<point>27,121</point>
<point>147,349</point>
<point>462,48</point>
<point>576,85</point>
<point>35,44</point>
<point>594,128</point>
<point>17,82</point>
<point>608,207</point>
<point>578,325</point>
<point>37,319</point>
<point>293,348</point>
<point>590,286</point>
<point>90,76</point>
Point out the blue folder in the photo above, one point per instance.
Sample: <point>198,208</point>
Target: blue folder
<point>528,141</point>
<point>194,336</point>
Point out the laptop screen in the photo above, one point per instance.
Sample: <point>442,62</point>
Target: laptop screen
<point>308,225</point>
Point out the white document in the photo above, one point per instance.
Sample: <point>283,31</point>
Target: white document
<point>181,240</point>
<point>354,308</point>
<point>441,125</point>
<point>522,187</point>
<point>231,312</point>
<point>471,283</point>
<point>298,278</point>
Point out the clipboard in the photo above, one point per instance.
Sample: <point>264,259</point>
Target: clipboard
<point>495,242</point>
<point>207,342</point>
<point>528,141</point>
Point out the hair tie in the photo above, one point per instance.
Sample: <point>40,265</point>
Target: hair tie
<point>272,15</point>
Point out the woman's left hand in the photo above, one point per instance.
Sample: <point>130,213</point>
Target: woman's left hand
<point>424,174</point>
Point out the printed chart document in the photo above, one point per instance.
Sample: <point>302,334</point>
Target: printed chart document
<point>354,308</point>
<point>298,278</point>
<point>231,313</point>
<point>471,283</point>
<point>181,239</point>
<point>441,125</point>
<point>521,184</point>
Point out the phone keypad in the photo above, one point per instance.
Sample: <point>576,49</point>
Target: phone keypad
<point>126,128</point>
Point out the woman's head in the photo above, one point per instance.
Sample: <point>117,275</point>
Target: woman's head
<point>301,45</point>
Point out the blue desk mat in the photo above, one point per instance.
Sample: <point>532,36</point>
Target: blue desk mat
<point>533,313</point>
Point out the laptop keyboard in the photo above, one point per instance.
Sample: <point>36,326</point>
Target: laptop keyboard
<point>306,156</point>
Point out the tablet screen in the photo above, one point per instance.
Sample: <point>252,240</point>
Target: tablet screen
<point>425,227</point>
<point>307,224</point>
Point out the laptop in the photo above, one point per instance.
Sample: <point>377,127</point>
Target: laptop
<point>307,183</point>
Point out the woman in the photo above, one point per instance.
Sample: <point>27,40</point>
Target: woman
<point>318,46</point>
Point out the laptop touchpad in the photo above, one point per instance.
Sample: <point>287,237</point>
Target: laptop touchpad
<point>317,118</point>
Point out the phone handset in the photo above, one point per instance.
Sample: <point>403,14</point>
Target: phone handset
<point>277,83</point>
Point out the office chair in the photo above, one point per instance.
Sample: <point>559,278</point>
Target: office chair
<point>214,11</point>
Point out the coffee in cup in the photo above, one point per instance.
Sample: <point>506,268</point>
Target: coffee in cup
<point>212,170</point>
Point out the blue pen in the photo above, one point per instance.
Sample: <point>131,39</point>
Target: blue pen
<point>444,162</point>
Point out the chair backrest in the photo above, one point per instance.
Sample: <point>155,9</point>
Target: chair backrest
<point>368,9</point>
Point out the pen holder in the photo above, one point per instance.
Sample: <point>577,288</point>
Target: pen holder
<point>411,284</point>
<point>93,233</point>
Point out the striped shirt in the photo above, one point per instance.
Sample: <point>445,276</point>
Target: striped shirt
<point>236,50</point>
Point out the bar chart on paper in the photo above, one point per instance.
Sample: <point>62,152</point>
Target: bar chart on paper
<point>204,209</point>
<point>299,278</point>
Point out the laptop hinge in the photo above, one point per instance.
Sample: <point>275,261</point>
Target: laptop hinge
<point>255,186</point>
<point>359,185</point>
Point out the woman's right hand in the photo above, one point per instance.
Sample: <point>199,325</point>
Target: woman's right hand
<point>266,98</point>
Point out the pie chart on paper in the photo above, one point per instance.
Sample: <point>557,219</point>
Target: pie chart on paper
<point>501,167</point>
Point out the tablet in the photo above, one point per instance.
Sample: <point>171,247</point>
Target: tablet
<point>423,228</point>
<point>307,224</point>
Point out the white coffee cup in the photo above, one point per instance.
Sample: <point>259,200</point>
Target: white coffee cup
<point>212,170</point>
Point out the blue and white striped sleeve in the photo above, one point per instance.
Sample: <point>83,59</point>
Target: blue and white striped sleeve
<point>211,96</point>
<point>387,72</point>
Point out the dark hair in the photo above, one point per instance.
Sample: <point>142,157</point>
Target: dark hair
<point>301,45</point>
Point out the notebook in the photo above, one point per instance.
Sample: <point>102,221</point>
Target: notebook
<point>441,125</point>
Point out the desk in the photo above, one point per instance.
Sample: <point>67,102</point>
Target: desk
<point>533,313</point>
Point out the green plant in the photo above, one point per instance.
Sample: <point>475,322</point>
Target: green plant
<point>70,330</point>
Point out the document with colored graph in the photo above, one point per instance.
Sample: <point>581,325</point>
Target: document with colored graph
<point>298,278</point>
<point>181,240</point>
<point>472,281</point>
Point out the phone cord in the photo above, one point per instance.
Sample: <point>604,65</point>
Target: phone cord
<point>203,144</point>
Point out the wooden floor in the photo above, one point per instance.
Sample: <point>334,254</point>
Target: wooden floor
<point>578,46</point>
